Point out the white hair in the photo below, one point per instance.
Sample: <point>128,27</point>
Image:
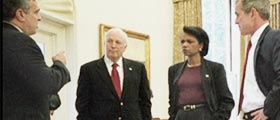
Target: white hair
<point>119,31</point>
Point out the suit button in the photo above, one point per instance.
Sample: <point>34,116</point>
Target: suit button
<point>121,103</point>
<point>120,118</point>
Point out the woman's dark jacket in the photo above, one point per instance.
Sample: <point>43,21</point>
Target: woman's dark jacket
<point>214,86</point>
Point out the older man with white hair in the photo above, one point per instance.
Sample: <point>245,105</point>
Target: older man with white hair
<point>113,87</point>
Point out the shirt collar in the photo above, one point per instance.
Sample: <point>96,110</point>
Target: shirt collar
<point>14,25</point>
<point>110,62</point>
<point>255,37</point>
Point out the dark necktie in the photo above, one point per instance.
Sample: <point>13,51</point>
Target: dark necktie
<point>243,77</point>
<point>116,79</point>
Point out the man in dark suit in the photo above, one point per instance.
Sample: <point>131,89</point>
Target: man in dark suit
<point>27,80</point>
<point>261,88</point>
<point>103,96</point>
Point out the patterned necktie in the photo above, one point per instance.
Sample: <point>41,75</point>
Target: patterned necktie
<point>243,77</point>
<point>116,79</point>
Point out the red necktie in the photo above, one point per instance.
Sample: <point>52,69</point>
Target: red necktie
<point>243,77</point>
<point>116,79</point>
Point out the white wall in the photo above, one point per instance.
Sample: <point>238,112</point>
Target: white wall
<point>152,17</point>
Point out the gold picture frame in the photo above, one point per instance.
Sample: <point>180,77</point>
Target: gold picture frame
<point>138,48</point>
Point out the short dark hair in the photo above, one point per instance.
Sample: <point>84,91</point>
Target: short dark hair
<point>262,6</point>
<point>10,7</point>
<point>200,35</point>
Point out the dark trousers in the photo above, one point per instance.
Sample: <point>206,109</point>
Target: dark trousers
<point>197,114</point>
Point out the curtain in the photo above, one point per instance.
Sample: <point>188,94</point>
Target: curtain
<point>275,14</point>
<point>186,12</point>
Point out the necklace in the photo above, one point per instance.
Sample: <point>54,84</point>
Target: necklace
<point>193,65</point>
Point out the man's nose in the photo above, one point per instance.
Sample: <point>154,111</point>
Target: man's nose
<point>39,17</point>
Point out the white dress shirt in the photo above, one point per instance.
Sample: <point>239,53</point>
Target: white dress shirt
<point>109,64</point>
<point>253,96</point>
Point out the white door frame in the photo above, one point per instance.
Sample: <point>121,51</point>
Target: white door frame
<point>60,35</point>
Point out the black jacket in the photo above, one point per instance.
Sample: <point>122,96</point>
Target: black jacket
<point>215,88</point>
<point>27,80</point>
<point>267,70</point>
<point>98,100</point>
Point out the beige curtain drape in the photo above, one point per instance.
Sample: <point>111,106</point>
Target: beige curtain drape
<point>61,8</point>
<point>186,12</point>
<point>275,14</point>
<point>274,23</point>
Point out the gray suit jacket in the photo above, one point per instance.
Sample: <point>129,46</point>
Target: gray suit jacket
<point>215,88</point>
<point>267,70</point>
<point>27,80</point>
<point>98,100</point>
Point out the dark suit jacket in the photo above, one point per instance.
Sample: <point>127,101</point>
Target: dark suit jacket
<point>27,80</point>
<point>98,100</point>
<point>215,88</point>
<point>267,70</point>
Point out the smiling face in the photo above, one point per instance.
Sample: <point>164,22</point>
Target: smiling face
<point>190,45</point>
<point>244,20</point>
<point>115,46</point>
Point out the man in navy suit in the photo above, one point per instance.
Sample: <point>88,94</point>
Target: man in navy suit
<point>27,80</point>
<point>262,75</point>
<point>100,97</point>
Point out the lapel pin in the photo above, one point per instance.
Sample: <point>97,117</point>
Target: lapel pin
<point>130,69</point>
<point>207,76</point>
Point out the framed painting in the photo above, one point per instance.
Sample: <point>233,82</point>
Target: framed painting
<point>138,47</point>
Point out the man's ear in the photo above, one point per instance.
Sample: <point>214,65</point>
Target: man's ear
<point>254,12</point>
<point>20,15</point>
<point>125,45</point>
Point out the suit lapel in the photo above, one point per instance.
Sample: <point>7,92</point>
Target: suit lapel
<point>206,73</point>
<point>261,39</point>
<point>103,72</point>
<point>180,72</point>
<point>206,81</point>
<point>127,69</point>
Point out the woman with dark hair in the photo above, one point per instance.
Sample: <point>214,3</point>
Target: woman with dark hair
<point>198,87</point>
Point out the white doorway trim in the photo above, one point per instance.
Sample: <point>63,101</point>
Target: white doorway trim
<point>55,34</point>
